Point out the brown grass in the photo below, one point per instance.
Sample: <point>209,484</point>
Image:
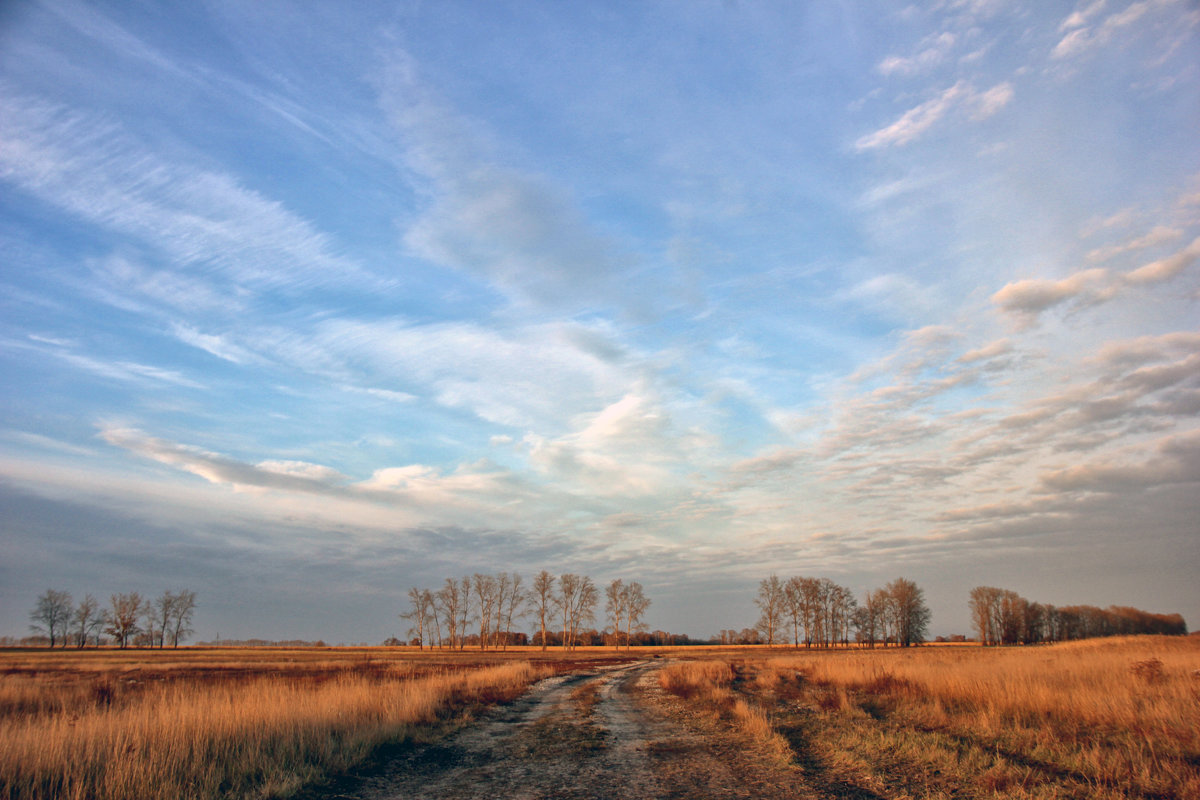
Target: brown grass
<point>1110,718</point>
<point>208,724</point>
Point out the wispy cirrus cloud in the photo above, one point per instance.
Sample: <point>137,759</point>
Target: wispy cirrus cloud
<point>91,168</point>
<point>919,119</point>
<point>1081,36</point>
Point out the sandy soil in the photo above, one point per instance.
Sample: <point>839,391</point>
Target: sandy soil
<point>604,733</point>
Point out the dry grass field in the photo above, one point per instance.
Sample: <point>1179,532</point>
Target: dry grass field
<point>206,723</point>
<point>1110,718</point>
<point>1106,718</point>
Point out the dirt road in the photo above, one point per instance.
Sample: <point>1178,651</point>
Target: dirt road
<point>608,733</point>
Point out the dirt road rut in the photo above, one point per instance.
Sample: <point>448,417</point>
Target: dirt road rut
<point>579,737</point>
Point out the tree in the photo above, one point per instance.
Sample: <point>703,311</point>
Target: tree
<point>52,615</point>
<point>418,613</point>
<point>576,601</point>
<point>449,600</point>
<point>182,610</point>
<point>910,612</point>
<point>568,590</point>
<point>616,602</point>
<point>984,604</point>
<point>485,597</point>
<point>636,606</point>
<point>86,620</point>
<point>464,593</point>
<point>770,605</point>
<point>513,605</point>
<point>585,605</point>
<point>162,610</point>
<point>541,598</point>
<point>122,617</point>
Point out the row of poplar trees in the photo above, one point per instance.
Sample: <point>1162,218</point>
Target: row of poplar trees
<point>565,602</point>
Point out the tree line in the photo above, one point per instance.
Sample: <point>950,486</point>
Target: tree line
<point>129,619</point>
<point>825,614</point>
<point>559,605</point>
<point>1001,616</point>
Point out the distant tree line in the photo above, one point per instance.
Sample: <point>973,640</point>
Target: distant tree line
<point>480,610</point>
<point>129,619</point>
<point>1001,616</point>
<point>821,613</point>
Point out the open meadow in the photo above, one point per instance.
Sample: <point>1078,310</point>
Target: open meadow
<point>1103,718</point>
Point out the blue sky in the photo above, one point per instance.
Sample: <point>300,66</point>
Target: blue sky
<point>302,304</point>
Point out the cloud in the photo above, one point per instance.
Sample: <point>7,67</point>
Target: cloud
<point>512,228</point>
<point>1160,234</point>
<point>89,167</point>
<point>471,492</point>
<point>1176,460</point>
<point>915,122</point>
<point>628,448</point>
<point>1000,347</point>
<point>1028,298</point>
<point>214,345</point>
<point>988,103</point>
<point>1082,38</point>
<point>935,49</point>
<point>1166,268</point>
<point>527,376</point>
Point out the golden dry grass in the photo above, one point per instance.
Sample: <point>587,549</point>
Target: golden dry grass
<point>208,724</point>
<point>1109,718</point>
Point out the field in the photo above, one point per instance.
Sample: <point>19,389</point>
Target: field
<point>1103,718</point>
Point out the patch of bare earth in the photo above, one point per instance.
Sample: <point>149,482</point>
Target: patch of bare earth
<point>604,733</point>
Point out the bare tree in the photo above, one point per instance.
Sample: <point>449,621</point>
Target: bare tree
<point>984,604</point>
<point>52,615</point>
<point>485,598</point>
<point>503,589</point>
<point>464,595</point>
<point>449,600</point>
<point>86,620</point>
<point>568,591</point>
<point>182,609</point>
<point>910,612</point>
<point>585,606</point>
<point>159,615</point>
<point>616,604</point>
<point>636,607</point>
<point>418,613</point>
<point>541,599</point>
<point>123,614</point>
<point>514,605</point>
<point>770,606</point>
<point>868,618</point>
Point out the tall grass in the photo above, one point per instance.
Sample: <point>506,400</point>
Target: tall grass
<point>1097,719</point>
<point>261,737</point>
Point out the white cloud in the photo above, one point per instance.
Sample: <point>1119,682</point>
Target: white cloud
<point>1083,38</point>
<point>918,120</point>
<point>91,168</point>
<point>1160,234</point>
<point>1166,268</point>
<point>1028,298</point>
<point>988,103</point>
<point>915,121</point>
<point>934,50</point>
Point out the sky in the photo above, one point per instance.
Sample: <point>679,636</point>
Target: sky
<point>303,304</point>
